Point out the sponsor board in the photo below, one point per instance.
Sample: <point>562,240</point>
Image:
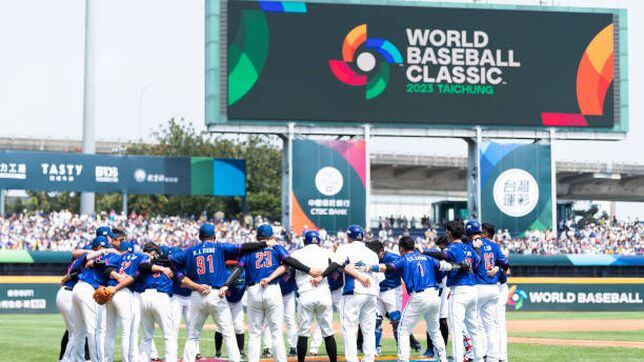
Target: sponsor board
<point>586,297</point>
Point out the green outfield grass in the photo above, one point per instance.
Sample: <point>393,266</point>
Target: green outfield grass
<point>36,337</point>
<point>630,336</point>
<point>574,315</point>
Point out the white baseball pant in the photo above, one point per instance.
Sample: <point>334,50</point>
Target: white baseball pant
<point>155,307</point>
<point>316,304</point>
<point>316,341</point>
<point>425,305</point>
<point>265,304</point>
<point>289,319</point>
<point>488,306</point>
<point>65,307</point>
<point>85,316</point>
<point>237,314</point>
<point>463,315</point>
<point>101,324</point>
<point>200,307</point>
<point>387,302</point>
<point>119,311</point>
<point>359,309</point>
<point>503,332</point>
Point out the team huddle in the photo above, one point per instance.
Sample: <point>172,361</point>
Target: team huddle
<point>459,287</point>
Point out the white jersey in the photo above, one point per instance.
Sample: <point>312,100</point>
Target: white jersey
<point>312,256</point>
<point>358,252</point>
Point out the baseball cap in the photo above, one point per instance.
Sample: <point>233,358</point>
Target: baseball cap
<point>206,231</point>
<point>104,231</point>
<point>100,242</point>
<point>264,231</point>
<point>126,246</point>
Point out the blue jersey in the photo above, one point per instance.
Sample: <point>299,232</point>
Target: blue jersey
<point>458,253</point>
<point>392,279</point>
<point>176,286</point>
<point>287,282</point>
<point>262,263</point>
<point>237,289</point>
<point>94,276</point>
<point>335,280</point>
<point>419,271</point>
<point>158,281</point>
<point>129,266</point>
<point>205,263</point>
<point>75,267</point>
<point>491,255</point>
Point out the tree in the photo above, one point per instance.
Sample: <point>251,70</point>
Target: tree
<point>180,139</point>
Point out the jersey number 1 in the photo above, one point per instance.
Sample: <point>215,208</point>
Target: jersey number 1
<point>201,266</point>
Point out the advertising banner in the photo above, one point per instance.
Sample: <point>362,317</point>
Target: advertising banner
<point>50,171</point>
<point>301,61</point>
<point>28,298</point>
<point>516,186</point>
<point>329,185</point>
<point>576,297</point>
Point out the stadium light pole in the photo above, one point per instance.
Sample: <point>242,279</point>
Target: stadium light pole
<point>87,201</point>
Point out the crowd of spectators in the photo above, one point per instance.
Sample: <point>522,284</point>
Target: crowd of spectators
<point>64,230</point>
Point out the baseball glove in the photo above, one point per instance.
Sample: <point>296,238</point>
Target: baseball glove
<point>102,295</point>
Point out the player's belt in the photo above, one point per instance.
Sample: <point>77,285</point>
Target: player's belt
<point>156,290</point>
<point>417,291</point>
<point>68,288</point>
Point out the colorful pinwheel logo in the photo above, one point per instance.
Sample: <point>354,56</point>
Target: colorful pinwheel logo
<point>516,297</point>
<point>367,75</point>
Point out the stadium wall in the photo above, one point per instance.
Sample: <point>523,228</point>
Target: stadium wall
<point>29,282</point>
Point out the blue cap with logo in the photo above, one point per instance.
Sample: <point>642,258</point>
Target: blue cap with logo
<point>311,237</point>
<point>355,232</point>
<point>126,246</point>
<point>264,231</point>
<point>100,242</point>
<point>206,231</point>
<point>473,227</point>
<point>104,231</point>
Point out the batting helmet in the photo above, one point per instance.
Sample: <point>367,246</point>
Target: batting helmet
<point>473,227</point>
<point>311,237</point>
<point>355,232</point>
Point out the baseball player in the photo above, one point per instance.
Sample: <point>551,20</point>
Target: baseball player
<point>64,303</point>
<point>205,267</point>
<point>487,286</point>
<point>155,293</point>
<point>335,281</point>
<point>98,268</point>
<point>488,232</point>
<point>234,297</point>
<point>463,311</point>
<point>180,300</point>
<point>119,309</point>
<point>264,303</point>
<point>443,291</point>
<point>287,287</point>
<point>390,296</point>
<point>359,298</point>
<point>314,296</point>
<point>421,274</point>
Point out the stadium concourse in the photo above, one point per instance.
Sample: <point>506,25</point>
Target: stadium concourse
<point>63,231</point>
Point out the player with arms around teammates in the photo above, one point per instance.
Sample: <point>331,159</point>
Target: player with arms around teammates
<point>205,267</point>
